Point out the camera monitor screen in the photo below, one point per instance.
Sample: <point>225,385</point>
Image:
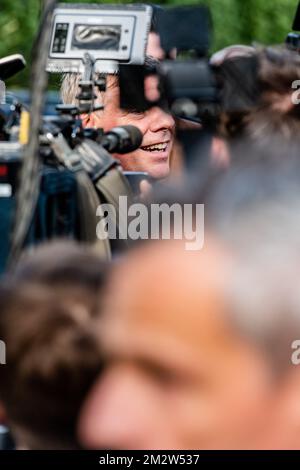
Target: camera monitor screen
<point>95,37</point>
<point>111,34</point>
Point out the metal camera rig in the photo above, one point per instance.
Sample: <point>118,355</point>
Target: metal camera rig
<point>293,39</point>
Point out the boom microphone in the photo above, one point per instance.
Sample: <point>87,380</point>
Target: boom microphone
<point>123,139</point>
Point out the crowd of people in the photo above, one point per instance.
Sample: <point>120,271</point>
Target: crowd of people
<point>165,348</point>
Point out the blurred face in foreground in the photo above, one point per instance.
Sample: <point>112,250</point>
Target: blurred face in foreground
<point>179,376</point>
<point>156,125</point>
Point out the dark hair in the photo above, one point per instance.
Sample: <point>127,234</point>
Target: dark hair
<point>260,102</point>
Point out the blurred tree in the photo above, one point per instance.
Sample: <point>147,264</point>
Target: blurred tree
<point>235,21</point>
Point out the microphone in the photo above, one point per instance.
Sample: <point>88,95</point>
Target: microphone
<point>11,65</point>
<point>123,139</point>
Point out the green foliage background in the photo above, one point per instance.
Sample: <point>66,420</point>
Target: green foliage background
<point>235,21</point>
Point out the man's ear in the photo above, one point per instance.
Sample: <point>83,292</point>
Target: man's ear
<point>3,415</point>
<point>220,154</point>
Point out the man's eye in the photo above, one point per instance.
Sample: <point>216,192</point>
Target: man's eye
<point>161,375</point>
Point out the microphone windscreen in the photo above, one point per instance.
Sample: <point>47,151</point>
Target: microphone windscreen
<point>122,139</point>
<point>135,136</point>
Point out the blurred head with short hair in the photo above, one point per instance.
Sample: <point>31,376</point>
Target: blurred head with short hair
<point>48,308</point>
<point>259,90</point>
<point>258,97</point>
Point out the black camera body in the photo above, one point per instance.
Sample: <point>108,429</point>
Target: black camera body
<point>71,159</point>
<point>188,86</point>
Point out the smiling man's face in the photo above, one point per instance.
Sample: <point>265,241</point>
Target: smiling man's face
<point>156,125</point>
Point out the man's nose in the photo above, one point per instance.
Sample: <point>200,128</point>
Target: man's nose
<point>115,414</point>
<point>160,119</point>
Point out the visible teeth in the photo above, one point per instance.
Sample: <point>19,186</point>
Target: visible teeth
<point>156,147</point>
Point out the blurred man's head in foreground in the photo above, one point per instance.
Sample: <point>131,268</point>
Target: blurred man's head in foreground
<point>199,345</point>
<point>48,306</point>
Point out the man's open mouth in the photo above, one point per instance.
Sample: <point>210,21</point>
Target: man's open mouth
<point>162,147</point>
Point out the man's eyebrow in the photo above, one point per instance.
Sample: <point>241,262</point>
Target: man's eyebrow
<point>161,369</point>
<point>151,365</point>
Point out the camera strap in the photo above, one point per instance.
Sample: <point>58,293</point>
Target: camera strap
<point>113,185</point>
<point>88,202</point>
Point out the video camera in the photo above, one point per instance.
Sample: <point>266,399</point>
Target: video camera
<point>94,40</point>
<point>89,39</point>
<point>188,86</point>
<point>74,170</point>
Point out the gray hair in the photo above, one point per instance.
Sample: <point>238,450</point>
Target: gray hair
<point>70,82</point>
<point>264,286</point>
<point>70,87</point>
